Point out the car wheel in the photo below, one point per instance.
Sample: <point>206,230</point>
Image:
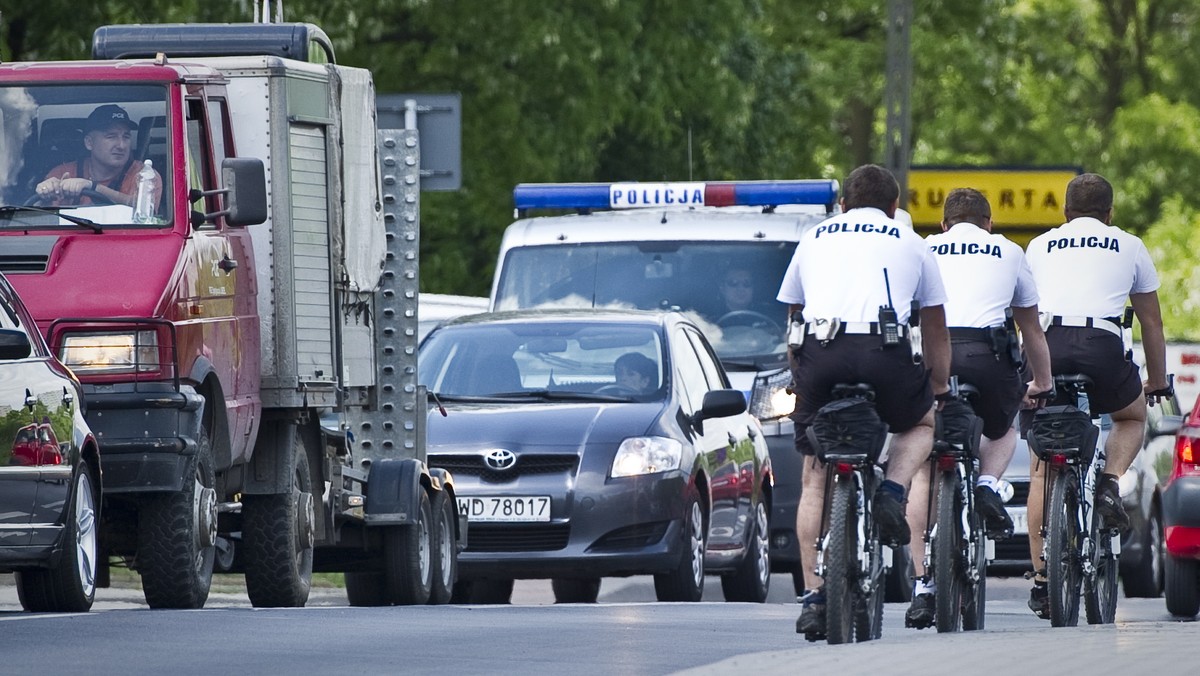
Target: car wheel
<point>576,590</point>
<point>491,592</point>
<point>70,587</point>
<point>1181,579</point>
<point>686,582</point>
<point>1144,580</point>
<point>176,542</point>
<point>752,580</point>
<point>445,554</point>
<point>277,540</point>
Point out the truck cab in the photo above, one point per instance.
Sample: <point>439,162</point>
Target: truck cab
<point>714,251</point>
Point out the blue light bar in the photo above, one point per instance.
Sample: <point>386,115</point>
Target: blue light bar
<point>634,195</point>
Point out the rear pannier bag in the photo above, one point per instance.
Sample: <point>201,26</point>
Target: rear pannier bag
<point>1063,430</point>
<point>847,430</point>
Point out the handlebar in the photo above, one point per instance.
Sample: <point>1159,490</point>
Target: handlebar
<point>1168,391</point>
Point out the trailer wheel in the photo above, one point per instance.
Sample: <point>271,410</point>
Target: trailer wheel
<point>177,535</point>
<point>277,540</point>
<point>445,550</point>
<point>407,558</point>
<point>365,590</point>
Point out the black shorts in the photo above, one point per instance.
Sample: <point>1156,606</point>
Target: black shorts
<point>903,395</point>
<point>1000,385</point>
<point>1101,356</point>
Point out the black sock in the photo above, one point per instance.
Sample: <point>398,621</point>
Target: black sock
<point>894,488</point>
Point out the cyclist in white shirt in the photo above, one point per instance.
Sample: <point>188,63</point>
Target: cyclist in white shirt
<point>1085,271</point>
<point>843,271</point>
<point>986,275</point>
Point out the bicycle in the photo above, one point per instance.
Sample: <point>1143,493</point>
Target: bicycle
<point>1077,548</point>
<point>848,437</point>
<point>956,550</point>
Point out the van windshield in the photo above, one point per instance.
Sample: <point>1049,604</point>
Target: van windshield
<point>75,151</point>
<point>727,288</point>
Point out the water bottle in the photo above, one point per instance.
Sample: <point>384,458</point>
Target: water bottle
<point>143,205</point>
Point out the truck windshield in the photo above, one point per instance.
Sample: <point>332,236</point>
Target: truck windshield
<point>727,288</point>
<point>78,150</point>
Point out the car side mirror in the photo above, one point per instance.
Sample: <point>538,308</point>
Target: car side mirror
<point>719,404</point>
<point>14,344</point>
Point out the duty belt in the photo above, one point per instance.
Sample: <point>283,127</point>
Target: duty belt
<point>972,333</point>
<point>856,329</point>
<point>1109,324</point>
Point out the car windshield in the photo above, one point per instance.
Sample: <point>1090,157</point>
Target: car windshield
<point>70,156</point>
<point>560,360</point>
<point>727,288</point>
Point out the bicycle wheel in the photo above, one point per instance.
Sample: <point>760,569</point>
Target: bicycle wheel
<point>947,553</point>
<point>868,617</point>
<point>1063,539</point>
<point>841,562</point>
<point>1100,589</point>
<point>974,592</point>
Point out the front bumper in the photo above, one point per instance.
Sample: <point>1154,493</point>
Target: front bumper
<point>787,466</point>
<point>625,526</point>
<point>145,434</point>
<point>1181,517</point>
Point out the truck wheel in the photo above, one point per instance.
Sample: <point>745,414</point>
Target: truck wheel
<point>575,590</point>
<point>365,590</point>
<point>71,586</point>
<point>407,559</point>
<point>277,540</point>
<point>445,549</point>
<point>177,535</point>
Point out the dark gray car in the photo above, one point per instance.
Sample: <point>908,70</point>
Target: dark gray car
<point>49,471</point>
<point>571,467</point>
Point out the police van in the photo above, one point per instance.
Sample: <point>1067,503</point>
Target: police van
<point>716,251</point>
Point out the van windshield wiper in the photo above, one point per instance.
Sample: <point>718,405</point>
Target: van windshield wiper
<point>10,209</point>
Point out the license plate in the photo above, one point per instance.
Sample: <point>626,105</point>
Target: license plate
<point>505,508</point>
<point>1020,520</point>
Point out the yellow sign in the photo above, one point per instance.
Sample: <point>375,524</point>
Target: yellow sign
<point>1020,198</point>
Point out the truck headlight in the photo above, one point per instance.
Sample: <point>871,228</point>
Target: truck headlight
<point>646,455</point>
<point>111,352</point>
<point>769,399</point>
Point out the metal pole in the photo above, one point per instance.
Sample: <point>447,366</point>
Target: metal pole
<point>898,92</point>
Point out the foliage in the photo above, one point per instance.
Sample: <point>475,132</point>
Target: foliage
<point>598,90</point>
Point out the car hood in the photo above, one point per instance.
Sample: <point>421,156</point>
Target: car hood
<point>562,426</point>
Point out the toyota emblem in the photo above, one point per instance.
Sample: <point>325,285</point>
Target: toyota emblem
<point>500,458</point>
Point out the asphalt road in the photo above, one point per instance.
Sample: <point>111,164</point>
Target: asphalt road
<point>626,633</point>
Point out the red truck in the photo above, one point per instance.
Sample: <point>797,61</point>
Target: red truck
<point>213,235</point>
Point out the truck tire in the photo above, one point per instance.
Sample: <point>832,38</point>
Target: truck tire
<point>277,540</point>
<point>445,548</point>
<point>365,590</point>
<point>177,536</point>
<point>407,558</point>
<point>71,586</point>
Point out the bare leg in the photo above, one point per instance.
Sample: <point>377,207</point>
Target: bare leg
<point>1037,484</point>
<point>995,454</point>
<point>918,517</point>
<point>909,451</point>
<point>808,519</point>
<point>1125,437</point>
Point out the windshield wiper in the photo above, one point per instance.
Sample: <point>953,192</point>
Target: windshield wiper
<point>558,395</point>
<point>10,209</point>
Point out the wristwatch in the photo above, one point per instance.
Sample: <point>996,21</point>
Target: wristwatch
<point>93,188</point>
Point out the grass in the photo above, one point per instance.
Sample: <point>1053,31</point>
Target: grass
<point>226,583</point>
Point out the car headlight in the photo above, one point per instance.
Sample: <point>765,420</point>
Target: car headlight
<point>770,399</point>
<point>111,352</point>
<point>646,455</point>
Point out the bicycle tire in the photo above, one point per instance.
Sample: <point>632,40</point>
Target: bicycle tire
<point>1100,589</point>
<point>841,563</point>
<point>868,620</point>
<point>1062,548</point>
<point>947,554</point>
<point>975,593</point>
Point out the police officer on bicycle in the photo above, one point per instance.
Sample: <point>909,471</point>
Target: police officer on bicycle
<point>1085,270</point>
<point>989,284</point>
<point>855,277</point>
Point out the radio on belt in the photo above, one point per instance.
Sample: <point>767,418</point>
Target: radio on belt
<point>889,324</point>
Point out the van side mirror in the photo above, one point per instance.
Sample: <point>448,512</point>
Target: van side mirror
<point>245,181</point>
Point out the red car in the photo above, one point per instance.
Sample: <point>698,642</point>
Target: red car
<point>35,444</point>
<point>1181,521</point>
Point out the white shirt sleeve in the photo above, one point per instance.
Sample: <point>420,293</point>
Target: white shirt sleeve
<point>790,289</point>
<point>930,289</point>
<point>1145,276</point>
<point>1025,294</point>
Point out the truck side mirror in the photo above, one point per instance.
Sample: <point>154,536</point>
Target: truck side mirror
<point>245,181</point>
